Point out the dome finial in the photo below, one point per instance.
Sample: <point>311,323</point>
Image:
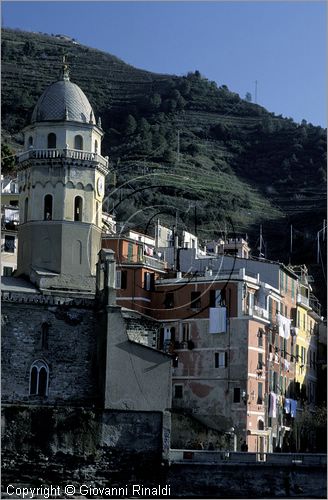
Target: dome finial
<point>65,69</point>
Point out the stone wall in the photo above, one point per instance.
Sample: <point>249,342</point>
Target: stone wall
<point>70,352</point>
<point>59,446</point>
<point>43,445</point>
<point>247,481</point>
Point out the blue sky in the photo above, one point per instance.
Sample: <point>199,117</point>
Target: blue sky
<point>282,45</point>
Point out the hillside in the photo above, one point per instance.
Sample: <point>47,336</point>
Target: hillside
<point>190,148</point>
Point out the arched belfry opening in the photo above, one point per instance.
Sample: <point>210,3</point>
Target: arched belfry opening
<point>48,207</point>
<point>78,205</point>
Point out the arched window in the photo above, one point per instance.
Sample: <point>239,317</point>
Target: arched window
<point>25,209</point>
<point>96,147</point>
<point>260,425</point>
<point>78,142</point>
<point>48,207</point>
<point>30,141</point>
<point>39,379</point>
<point>78,202</point>
<point>52,141</point>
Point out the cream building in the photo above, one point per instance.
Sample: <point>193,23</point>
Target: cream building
<point>61,183</point>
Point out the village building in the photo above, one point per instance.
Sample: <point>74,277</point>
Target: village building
<point>64,338</point>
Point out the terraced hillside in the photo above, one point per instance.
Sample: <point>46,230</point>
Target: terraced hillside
<point>181,147</point>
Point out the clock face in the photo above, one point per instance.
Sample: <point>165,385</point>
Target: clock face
<point>100,186</point>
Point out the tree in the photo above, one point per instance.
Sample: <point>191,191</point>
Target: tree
<point>7,159</point>
<point>130,125</point>
<point>143,126</point>
<point>155,101</point>
<point>248,97</point>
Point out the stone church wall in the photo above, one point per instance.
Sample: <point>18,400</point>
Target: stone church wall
<point>70,352</point>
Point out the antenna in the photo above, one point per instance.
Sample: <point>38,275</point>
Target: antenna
<point>291,244</point>
<point>324,230</point>
<point>255,91</point>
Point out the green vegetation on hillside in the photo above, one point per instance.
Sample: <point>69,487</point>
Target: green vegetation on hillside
<point>181,145</point>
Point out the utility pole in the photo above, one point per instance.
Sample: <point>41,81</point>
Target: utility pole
<point>324,230</point>
<point>178,147</point>
<point>291,244</point>
<point>318,247</point>
<point>260,241</point>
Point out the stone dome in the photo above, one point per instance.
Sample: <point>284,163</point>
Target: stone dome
<point>63,100</point>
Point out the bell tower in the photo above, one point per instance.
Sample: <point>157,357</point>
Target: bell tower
<point>61,182</point>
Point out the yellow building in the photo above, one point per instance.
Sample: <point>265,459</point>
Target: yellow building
<point>307,319</point>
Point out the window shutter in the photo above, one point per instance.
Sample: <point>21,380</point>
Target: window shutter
<point>118,279</point>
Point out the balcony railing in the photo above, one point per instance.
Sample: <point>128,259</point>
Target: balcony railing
<point>145,260</point>
<point>257,311</point>
<point>315,304</point>
<point>301,299</point>
<point>74,154</point>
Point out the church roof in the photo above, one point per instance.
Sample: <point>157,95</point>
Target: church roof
<point>63,101</point>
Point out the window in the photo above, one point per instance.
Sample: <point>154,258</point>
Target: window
<point>130,252</point>
<point>260,337</point>
<point>286,283</point>
<point>7,271</point>
<point>39,379</point>
<point>297,353</point>
<point>30,141</point>
<point>96,147</point>
<point>52,141</point>
<point>121,280</point>
<point>220,360</point>
<point>285,349</point>
<point>185,332</point>
<point>217,298</point>
<point>25,209</point>
<point>195,300</point>
<point>47,207</point>
<point>259,361</point>
<point>78,142</point>
<point>9,244</point>
<point>259,393</point>
<point>236,395</point>
<point>274,381</point>
<point>298,319</point>
<point>149,281</point>
<point>178,391</point>
<point>169,300</point>
<point>293,289</point>
<point>78,203</point>
<point>260,425</point>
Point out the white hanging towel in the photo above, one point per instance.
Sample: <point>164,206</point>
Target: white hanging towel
<point>273,405</point>
<point>218,320</point>
<point>284,326</point>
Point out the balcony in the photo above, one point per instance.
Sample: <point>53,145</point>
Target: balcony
<point>315,304</point>
<point>73,154</point>
<point>302,300</point>
<point>145,260</point>
<point>258,312</point>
